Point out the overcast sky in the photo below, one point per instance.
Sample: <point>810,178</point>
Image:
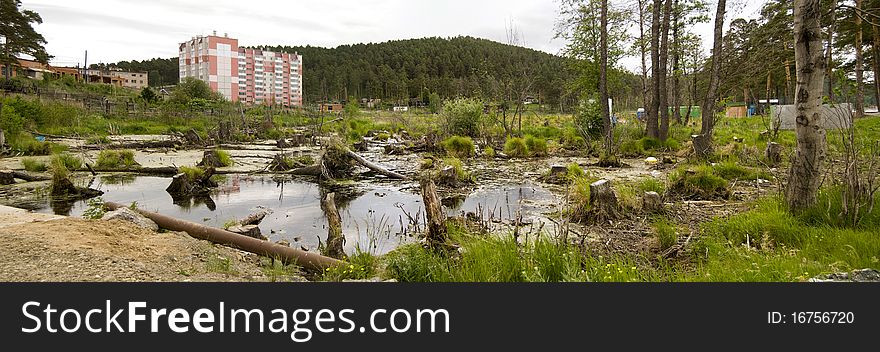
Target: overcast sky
<point>115,30</point>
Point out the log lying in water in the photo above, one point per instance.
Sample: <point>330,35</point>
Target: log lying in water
<point>374,167</point>
<point>309,261</point>
<point>29,177</point>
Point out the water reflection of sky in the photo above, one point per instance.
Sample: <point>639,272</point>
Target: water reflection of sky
<point>374,218</point>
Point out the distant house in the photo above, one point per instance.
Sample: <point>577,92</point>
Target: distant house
<point>401,108</point>
<point>133,80</point>
<point>28,68</point>
<point>331,107</point>
<point>737,110</point>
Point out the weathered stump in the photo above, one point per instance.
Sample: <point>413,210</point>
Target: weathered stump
<point>652,203</point>
<point>192,137</point>
<point>773,153</point>
<point>210,158</point>
<point>435,234</point>
<point>7,177</point>
<point>603,201</point>
<point>335,239</point>
<point>179,184</point>
<point>702,145</point>
<point>556,170</point>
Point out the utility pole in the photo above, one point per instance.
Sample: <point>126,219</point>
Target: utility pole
<point>86,67</point>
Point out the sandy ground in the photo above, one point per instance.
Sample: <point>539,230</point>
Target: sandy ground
<point>39,247</point>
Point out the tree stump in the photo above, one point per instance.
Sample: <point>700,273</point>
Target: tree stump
<point>335,239</point>
<point>652,203</point>
<point>210,158</point>
<point>702,145</point>
<point>773,154</point>
<point>192,137</point>
<point>6,177</point>
<point>603,201</point>
<point>179,185</point>
<point>435,234</point>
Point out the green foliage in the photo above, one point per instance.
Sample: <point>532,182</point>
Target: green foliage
<point>148,95</point>
<point>33,165</point>
<point>459,147</point>
<point>351,108</point>
<point>224,158</point>
<point>95,209</point>
<point>698,183</point>
<point>536,146</point>
<point>434,103</point>
<point>574,171</point>
<point>666,232</point>
<point>463,116</point>
<point>59,171</point>
<point>99,140</point>
<point>647,145</point>
<point>70,162</point>
<point>192,172</point>
<point>650,184</point>
<point>361,265</point>
<point>572,140</point>
<point>217,263</point>
<point>20,36</point>
<point>516,147</point>
<point>456,164</point>
<point>730,170</point>
<point>588,118</point>
<point>194,92</point>
<point>489,152</point>
<point>116,159</point>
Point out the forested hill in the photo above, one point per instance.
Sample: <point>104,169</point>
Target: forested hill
<point>402,69</point>
<point>412,69</point>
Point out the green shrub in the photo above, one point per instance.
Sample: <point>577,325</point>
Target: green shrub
<point>536,146</point>
<point>59,171</point>
<point>116,159</point>
<point>192,172</point>
<point>224,158</point>
<point>383,137</point>
<point>70,161</point>
<point>34,165</point>
<point>489,152</point>
<point>98,140</point>
<point>666,232</point>
<point>456,164</point>
<point>516,147</point>
<point>730,170</point>
<point>459,147</point>
<point>572,140</point>
<point>698,183</point>
<point>574,171</point>
<point>463,116</point>
<point>650,184</point>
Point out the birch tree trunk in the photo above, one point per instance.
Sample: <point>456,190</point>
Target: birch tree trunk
<point>664,60</point>
<point>806,167</point>
<point>653,126</point>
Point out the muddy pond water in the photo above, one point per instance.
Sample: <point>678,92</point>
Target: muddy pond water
<point>375,217</point>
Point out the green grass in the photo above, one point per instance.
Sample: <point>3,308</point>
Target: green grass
<point>192,172</point>
<point>489,152</point>
<point>33,165</point>
<point>457,165</point>
<point>666,233</point>
<point>699,182</point>
<point>360,266</point>
<point>731,170</point>
<point>70,161</point>
<point>459,147</point>
<point>536,146</point>
<point>116,159</point>
<point>502,259</point>
<point>219,264</point>
<point>516,147</point>
<point>224,158</point>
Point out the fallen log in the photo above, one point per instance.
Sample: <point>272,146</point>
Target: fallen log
<point>374,167</point>
<point>6,177</point>
<point>257,217</point>
<point>29,177</point>
<point>309,261</point>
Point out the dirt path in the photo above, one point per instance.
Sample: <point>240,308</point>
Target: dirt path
<point>39,247</point>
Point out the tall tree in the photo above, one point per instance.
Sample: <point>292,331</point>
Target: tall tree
<point>603,81</point>
<point>676,58</point>
<point>859,105</point>
<point>703,142</point>
<point>663,72</point>
<point>21,38</point>
<point>653,125</point>
<point>806,167</point>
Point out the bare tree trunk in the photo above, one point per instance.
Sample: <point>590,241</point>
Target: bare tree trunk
<point>860,66</point>
<point>603,79</point>
<point>335,239</point>
<point>703,144</point>
<point>806,166</point>
<point>664,59</point>
<point>435,234</point>
<point>676,57</point>
<point>643,50</point>
<point>875,46</point>
<point>653,127</point>
<point>828,57</point>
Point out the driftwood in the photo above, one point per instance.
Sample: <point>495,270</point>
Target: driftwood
<point>603,201</point>
<point>248,230</point>
<point>335,239</point>
<point>134,145</point>
<point>256,218</point>
<point>30,177</point>
<point>435,234</point>
<point>374,167</point>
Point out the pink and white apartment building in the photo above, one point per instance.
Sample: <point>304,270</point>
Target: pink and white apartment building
<point>248,75</point>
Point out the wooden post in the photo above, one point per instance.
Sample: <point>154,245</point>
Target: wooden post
<point>435,235</point>
<point>335,239</point>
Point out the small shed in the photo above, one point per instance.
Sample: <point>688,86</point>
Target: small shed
<point>737,110</point>
<point>331,107</point>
